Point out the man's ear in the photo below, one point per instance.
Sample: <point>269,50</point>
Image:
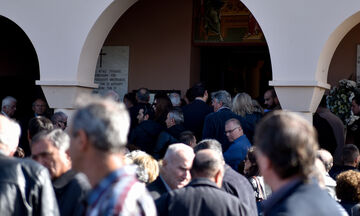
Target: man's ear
<point>219,178</point>
<point>83,140</point>
<point>146,117</point>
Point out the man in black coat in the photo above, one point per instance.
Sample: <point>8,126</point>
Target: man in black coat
<point>233,182</point>
<point>174,123</point>
<point>214,125</point>
<point>145,135</point>
<point>195,112</point>
<point>286,161</point>
<point>175,170</point>
<point>203,195</point>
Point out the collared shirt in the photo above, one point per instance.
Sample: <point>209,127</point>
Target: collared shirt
<point>166,185</point>
<point>120,193</point>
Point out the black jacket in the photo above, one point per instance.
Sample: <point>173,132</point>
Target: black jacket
<point>70,189</point>
<point>145,135</point>
<point>157,188</point>
<point>194,115</point>
<point>25,188</point>
<point>200,197</point>
<point>237,185</point>
<point>167,137</point>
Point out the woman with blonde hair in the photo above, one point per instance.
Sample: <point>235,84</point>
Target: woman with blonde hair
<point>243,105</point>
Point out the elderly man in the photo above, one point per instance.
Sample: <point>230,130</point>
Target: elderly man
<point>214,124</point>
<point>25,185</point>
<point>49,149</point>
<point>202,196</point>
<point>98,137</point>
<point>240,144</point>
<point>174,123</point>
<point>233,182</point>
<point>59,120</point>
<point>286,149</point>
<point>174,171</point>
<point>8,106</point>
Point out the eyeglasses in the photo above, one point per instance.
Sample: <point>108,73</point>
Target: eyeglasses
<point>230,131</point>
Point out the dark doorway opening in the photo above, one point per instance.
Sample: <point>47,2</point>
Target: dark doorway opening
<point>19,68</point>
<point>236,69</point>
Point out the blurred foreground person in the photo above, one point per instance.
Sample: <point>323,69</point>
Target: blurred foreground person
<point>286,149</point>
<point>98,137</point>
<point>25,187</point>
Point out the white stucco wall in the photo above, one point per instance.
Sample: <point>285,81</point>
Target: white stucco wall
<point>301,35</point>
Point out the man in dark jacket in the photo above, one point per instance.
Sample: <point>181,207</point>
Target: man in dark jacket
<point>286,161</point>
<point>233,182</point>
<point>214,125</point>
<point>203,195</point>
<point>145,135</point>
<point>25,185</point>
<point>49,149</point>
<point>174,124</point>
<point>195,112</point>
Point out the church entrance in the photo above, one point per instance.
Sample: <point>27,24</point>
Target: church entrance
<point>19,67</point>
<point>236,69</point>
<point>234,52</point>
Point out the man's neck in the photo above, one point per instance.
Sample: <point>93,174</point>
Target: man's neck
<point>200,98</point>
<point>279,183</point>
<point>99,167</point>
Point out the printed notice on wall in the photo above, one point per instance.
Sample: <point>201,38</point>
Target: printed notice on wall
<point>112,70</point>
<point>358,64</point>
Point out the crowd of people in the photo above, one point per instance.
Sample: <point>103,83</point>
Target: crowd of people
<point>205,154</point>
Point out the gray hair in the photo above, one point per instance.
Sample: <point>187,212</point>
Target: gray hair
<point>57,137</point>
<point>7,101</point>
<point>212,144</point>
<point>9,133</point>
<point>58,116</point>
<point>222,96</point>
<point>242,104</point>
<point>175,99</point>
<point>177,115</point>
<point>104,121</point>
<point>207,163</point>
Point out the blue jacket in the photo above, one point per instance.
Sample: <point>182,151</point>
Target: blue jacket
<point>214,126</point>
<point>237,151</point>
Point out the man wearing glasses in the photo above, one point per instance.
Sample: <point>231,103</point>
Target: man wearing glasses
<point>239,146</point>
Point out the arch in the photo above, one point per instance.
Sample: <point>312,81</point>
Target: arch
<point>95,39</point>
<point>332,43</point>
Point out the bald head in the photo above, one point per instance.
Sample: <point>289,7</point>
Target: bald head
<point>207,164</point>
<point>176,165</point>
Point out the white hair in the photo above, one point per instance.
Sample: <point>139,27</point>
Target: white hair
<point>176,148</point>
<point>7,101</point>
<point>175,99</point>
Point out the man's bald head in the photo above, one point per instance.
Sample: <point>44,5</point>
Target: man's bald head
<point>207,164</point>
<point>176,165</point>
<point>326,158</point>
